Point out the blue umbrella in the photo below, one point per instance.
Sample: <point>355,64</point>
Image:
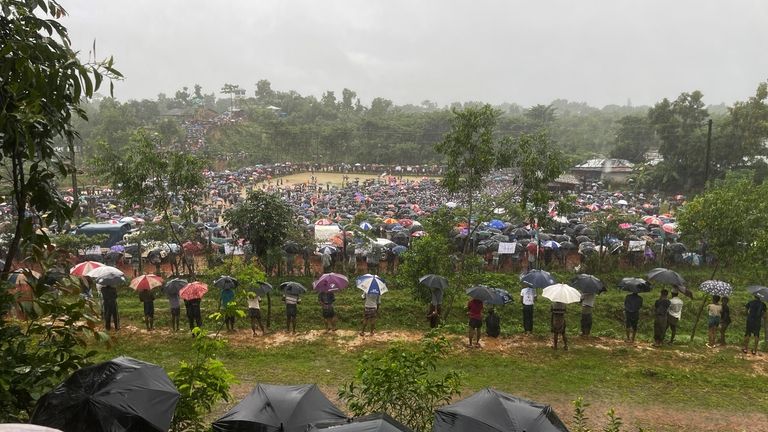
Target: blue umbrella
<point>495,223</point>
<point>366,226</point>
<point>537,279</point>
<point>371,284</point>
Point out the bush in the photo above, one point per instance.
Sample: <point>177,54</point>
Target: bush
<point>201,383</point>
<point>400,382</point>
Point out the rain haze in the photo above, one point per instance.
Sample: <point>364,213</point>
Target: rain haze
<point>523,52</point>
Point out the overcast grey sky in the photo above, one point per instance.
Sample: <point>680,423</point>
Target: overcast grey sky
<point>527,52</point>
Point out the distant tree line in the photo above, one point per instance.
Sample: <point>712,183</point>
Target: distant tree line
<point>281,126</point>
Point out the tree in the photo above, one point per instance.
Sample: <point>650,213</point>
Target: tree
<point>42,84</point>
<point>732,218</point>
<point>151,177</point>
<point>680,126</point>
<point>401,382</point>
<point>744,133</point>
<point>633,139</point>
<point>470,150</point>
<point>541,115</point>
<point>264,220</point>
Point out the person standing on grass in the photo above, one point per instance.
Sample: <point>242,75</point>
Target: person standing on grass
<point>558,324</point>
<point>194,316</point>
<point>254,312</point>
<point>435,308</point>
<point>587,306</point>
<point>492,324</point>
<point>147,298</point>
<point>291,311</point>
<point>632,305</point>
<point>327,261</point>
<point>660,314</point>
<point>674,313</point>
<point>326,299</point>
<point>528,298</point>
<point>109,296</point>
<point>725,319</point>
<point>175,306</point>
<point>714,311</point>
<point>370,311</point>
<point>756,316</point>
<point>475,314</point>
<point>227,296</point>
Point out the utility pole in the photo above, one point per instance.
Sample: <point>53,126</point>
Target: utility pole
<point>709,152</point>
<point>75,191</point>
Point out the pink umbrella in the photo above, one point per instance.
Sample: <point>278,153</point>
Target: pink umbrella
<point>84,268</point>
<point>194,290</point>
<point>670,228</point>
<point>330,282</point>
<point>625,225</point>
<point>324,222</point>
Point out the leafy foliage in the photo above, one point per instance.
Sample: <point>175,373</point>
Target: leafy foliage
<point>428,254</point>
<point>202,383</point>
<point>45,349</point>
<point>732,217</point>
<point>264,220</point>
<point>42,84</point>
<point>401,383</point>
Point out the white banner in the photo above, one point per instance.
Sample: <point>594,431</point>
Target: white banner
<point>636,245</point>
<point>507,247</point>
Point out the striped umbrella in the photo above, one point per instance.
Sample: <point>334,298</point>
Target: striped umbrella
<point>84,268</point>
<point>146,282</point>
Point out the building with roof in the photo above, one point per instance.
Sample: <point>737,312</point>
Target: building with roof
<point>604,169</point>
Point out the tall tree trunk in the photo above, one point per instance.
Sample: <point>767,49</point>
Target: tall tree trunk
<point>20,196</point>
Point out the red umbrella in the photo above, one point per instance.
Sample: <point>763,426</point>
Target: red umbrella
<point>532,247</point>
<point>418,234</point>
<point>84,268</point>
<point>324,222</point>
<point>194,290</point>
<point>652,220</point>
<point>406,222</point>
<point>146,282</point>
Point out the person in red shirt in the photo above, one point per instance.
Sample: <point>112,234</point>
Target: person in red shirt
<point>475,308</point>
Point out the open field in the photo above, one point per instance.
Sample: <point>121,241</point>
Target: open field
<point>682,387</point>
<point>332,178</point>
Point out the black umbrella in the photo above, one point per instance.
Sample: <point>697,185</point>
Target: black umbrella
<point>760,291</point>
<point>537,279</point>
<point>225,282</point>
<point>434,281</point>
<point>489,295</point>
<point>123,394</point>
<point>636,285</point>
<point>273,408</point>
<point>493,411</point>
<point>173,286</point>
<point>521,232</point>
<point>369,423</point>
<point>292,288</point>
<point>665,276</point>
<point>583,239</point>
<point>588,284</point>
<point>292,247</point>
<point>262,289</point>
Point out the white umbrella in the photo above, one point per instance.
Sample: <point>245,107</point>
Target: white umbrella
<point>107,275</point>
<point>383,242</point>
<point>562,293</point>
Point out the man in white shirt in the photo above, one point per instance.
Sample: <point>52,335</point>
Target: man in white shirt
<point>674,311</point>
<point>528,297</point>
<point>372,303</point>
<point>254,311</point>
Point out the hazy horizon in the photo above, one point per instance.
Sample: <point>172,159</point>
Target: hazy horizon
<point>445,51</point>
